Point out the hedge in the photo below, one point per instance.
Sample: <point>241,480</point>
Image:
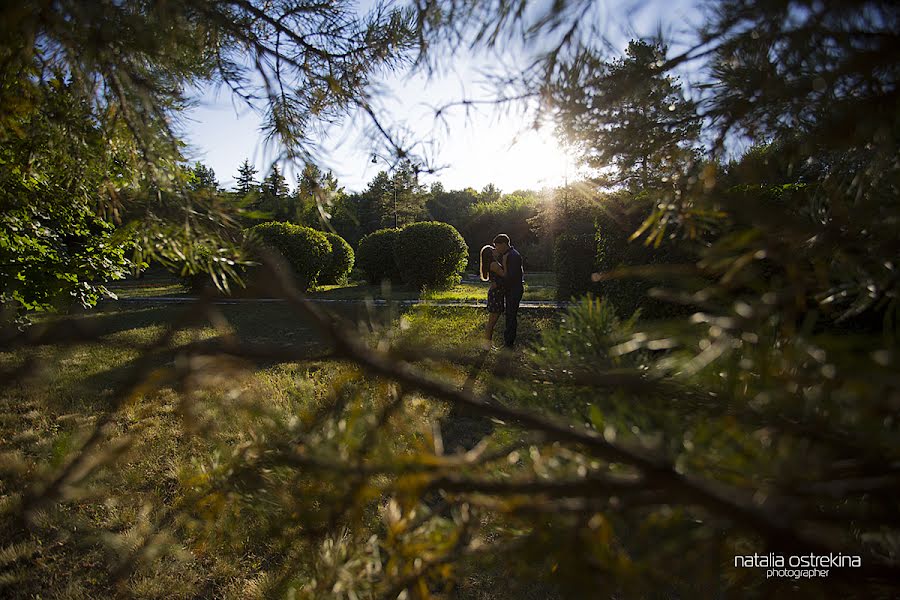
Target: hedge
<point>340,262</point>
<point>430,254</point>
<point>573,261</point>
<point>305,250</point>
<point>375,255</point>
<point>614,251</point>
<point>577,256</point>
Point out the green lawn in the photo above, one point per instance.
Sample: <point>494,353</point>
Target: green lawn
<point>149,290</point>
<point>538,286</point>
<point>174,432</point>
<point>155,282</point>
<point>463,292</point>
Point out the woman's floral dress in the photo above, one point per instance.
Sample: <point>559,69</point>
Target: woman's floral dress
<point>496,299</point>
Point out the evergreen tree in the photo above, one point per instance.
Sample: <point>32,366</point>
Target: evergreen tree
<point>202,178</point>
<point>627,115</point>
<point>408,195</point>
<point>376,204</point>
<point>319,202</point>
<point>489,193</point>
<point>393,199</point>
<point>315,196</point>
<point>246,183</point>
<point>274,197</point>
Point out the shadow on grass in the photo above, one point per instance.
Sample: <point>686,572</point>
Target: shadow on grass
<point>263,322</point>
<point>363,291</point>
<point>89,375</point>
<point>461,430</point>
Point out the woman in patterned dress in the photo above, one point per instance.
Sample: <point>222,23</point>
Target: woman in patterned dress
<point>491,270</point>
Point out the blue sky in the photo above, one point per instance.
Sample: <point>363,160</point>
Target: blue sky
<point>485,146</point>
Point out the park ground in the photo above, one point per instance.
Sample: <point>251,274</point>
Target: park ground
<point>46,417</point>
<point>539,286</point>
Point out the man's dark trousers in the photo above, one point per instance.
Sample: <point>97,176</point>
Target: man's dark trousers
<point>513,297</point>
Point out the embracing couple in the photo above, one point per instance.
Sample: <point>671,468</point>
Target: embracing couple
<point>501,264</point>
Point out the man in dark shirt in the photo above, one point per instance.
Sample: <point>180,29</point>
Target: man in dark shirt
<point>513,284</point>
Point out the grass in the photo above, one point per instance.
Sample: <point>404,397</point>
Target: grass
<point>177,432</point>
<point>468,291</point>
<point>159,283</point>
<point>155,282</point>
<point>538,287</point>
<point>149,290</point>
<point>48,417</point>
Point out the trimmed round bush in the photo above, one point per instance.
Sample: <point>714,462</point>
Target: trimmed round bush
<point>375,255</point>
<point>305,250</point>
<point>340,262</point>
<point>573,260</point>
<point>430,254</point>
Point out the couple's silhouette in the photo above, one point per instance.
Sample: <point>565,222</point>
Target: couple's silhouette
<point>501,264</point>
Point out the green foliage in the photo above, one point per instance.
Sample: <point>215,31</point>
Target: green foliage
<point>450,206</point>
<point>160,50</point>
<point>631,268</point>
<point>340,261</point>
<point>489,193</point>
<point>114,151</point>
<point>573,261</point>
<point>589,327</point>
<point>246,183</point>
<point>430,255</point>
<point>392,199</point>
<point>202,178</point>
<point>322,204</point>
<point>509,214</point>
<point>408,196</point>
<point>572,209</point>
<point>56,248</point>
<point>54,254</point>
<point>343,217</point>
<point>214,264</point>
<point>305,250</point>
<point>627,113</point>
<point>376,204</point>
<point>274,202</point>
<point>375,256</point>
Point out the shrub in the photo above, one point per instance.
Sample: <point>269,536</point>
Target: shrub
<point>572,210</point>
<point>340,262</point>
<point>614,250</point>
<point>573,259</point>
<point>375,255</point>
<point>305,250</point>
<point>430,254</point>
<point>588,328</point>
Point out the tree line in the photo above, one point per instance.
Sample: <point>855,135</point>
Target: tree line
<point>391,199</point>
